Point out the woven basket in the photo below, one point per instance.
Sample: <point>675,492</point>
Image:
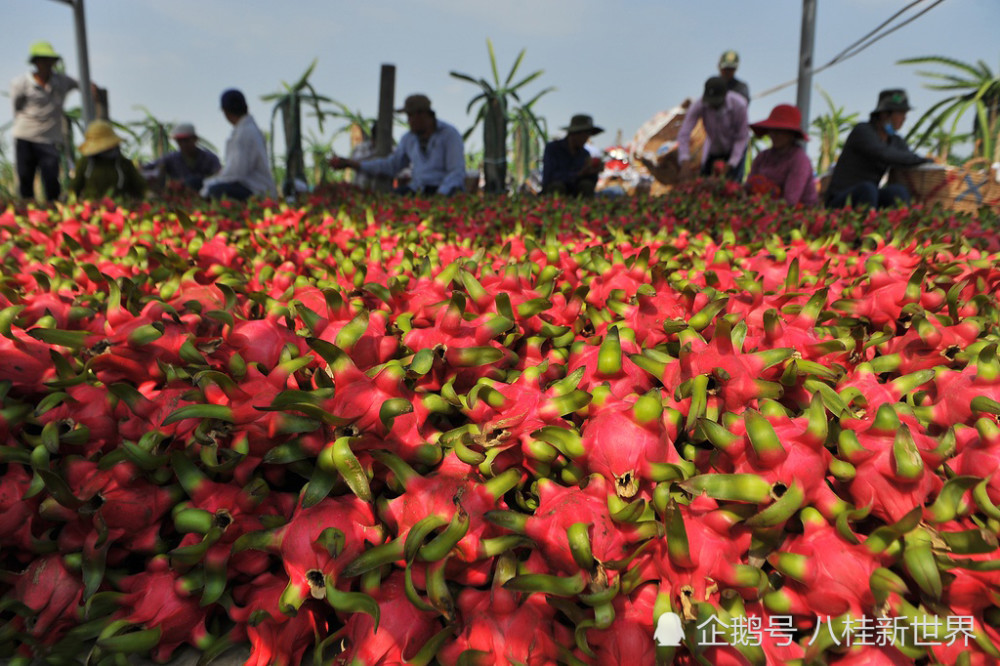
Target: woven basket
<point>963,189</point>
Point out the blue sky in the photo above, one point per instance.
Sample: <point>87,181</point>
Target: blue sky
<point>619,60</point>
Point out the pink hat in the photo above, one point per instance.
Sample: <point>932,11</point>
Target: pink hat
<point>783,117</point>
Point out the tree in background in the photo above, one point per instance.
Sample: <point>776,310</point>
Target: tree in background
<point>153,131</point>
<point>495,113</point>
<point>288,103</point>
<point>974,87</point>
<point>530,135</point>
<point>830,129</point>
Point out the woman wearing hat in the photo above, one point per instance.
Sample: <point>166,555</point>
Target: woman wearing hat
<point>870,150</point>
<point>567,166</point>
<point>784,168</point>
<point>102,171</point>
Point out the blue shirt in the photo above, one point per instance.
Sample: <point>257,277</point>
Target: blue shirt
<point>175,167</point>
<point>559,165</point>
<point>441,164</point>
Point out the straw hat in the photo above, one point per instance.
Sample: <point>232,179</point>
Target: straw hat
<point>100,136</point>
<point>783,117</point>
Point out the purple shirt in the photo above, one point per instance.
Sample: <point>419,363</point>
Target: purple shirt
<point>791,171</point>
<point>727,129</point>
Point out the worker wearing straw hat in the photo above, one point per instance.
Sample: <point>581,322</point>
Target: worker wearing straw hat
<point>38,98</point>
<point>102,170</point>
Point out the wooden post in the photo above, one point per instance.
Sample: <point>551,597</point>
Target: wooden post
<point>101,104</point>
<point>383,139</point>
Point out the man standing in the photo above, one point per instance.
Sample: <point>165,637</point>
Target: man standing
<point>38,121</point>
<point>728,63</point>
<point>727,130</point>
<point>567,166</point>
<point>247,171</point>
<point>432,149</point>
<point>189,165</point>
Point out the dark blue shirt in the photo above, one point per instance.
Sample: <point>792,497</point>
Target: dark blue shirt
<point>175,167</point>
<point>559,166</point>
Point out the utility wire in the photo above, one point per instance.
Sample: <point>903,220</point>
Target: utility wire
<point>861,44</point>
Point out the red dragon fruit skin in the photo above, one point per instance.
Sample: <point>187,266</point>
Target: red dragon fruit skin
<point>452,487</point>
<point>402,631</point>
<point>825,575</point>
<point>609,363</point>
<point>712,556</point>
<point>627,640</point>
<point>621,440</point>
<point>894,462</point>
<point>157,598</point>
<point>781,450</point>
<point>305,560</point>
<point>560,507</point>
<point>521,634</point>
<point>980,456</point>
<point>18,516</point>
<point>53,593</point>
<point>275,639</point>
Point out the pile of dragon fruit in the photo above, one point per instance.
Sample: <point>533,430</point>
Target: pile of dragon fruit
<point>703,429</point>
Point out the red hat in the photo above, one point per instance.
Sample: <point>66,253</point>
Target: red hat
<point>783,117</point>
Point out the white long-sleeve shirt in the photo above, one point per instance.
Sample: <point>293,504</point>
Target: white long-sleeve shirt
<point>246,160</point>
<point>441,164</point>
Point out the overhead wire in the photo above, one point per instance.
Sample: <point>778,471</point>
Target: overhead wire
<point>861,44</point>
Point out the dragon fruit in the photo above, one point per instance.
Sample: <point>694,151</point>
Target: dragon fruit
<point>894,463</point>
<point>315,546</point>
<point>622,440</point>
<point>52,595</point>
<point>787,453</point>
<point>158,599</point>
<point>609,362</point>
<point>405,633</point>
<point>705,550</point>
<point>495,626</point>
<point>559,510</point>
<point>275,638</point>
<point>824,574</point>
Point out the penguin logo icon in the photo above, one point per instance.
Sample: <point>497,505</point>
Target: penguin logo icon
<point>669,631</point>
